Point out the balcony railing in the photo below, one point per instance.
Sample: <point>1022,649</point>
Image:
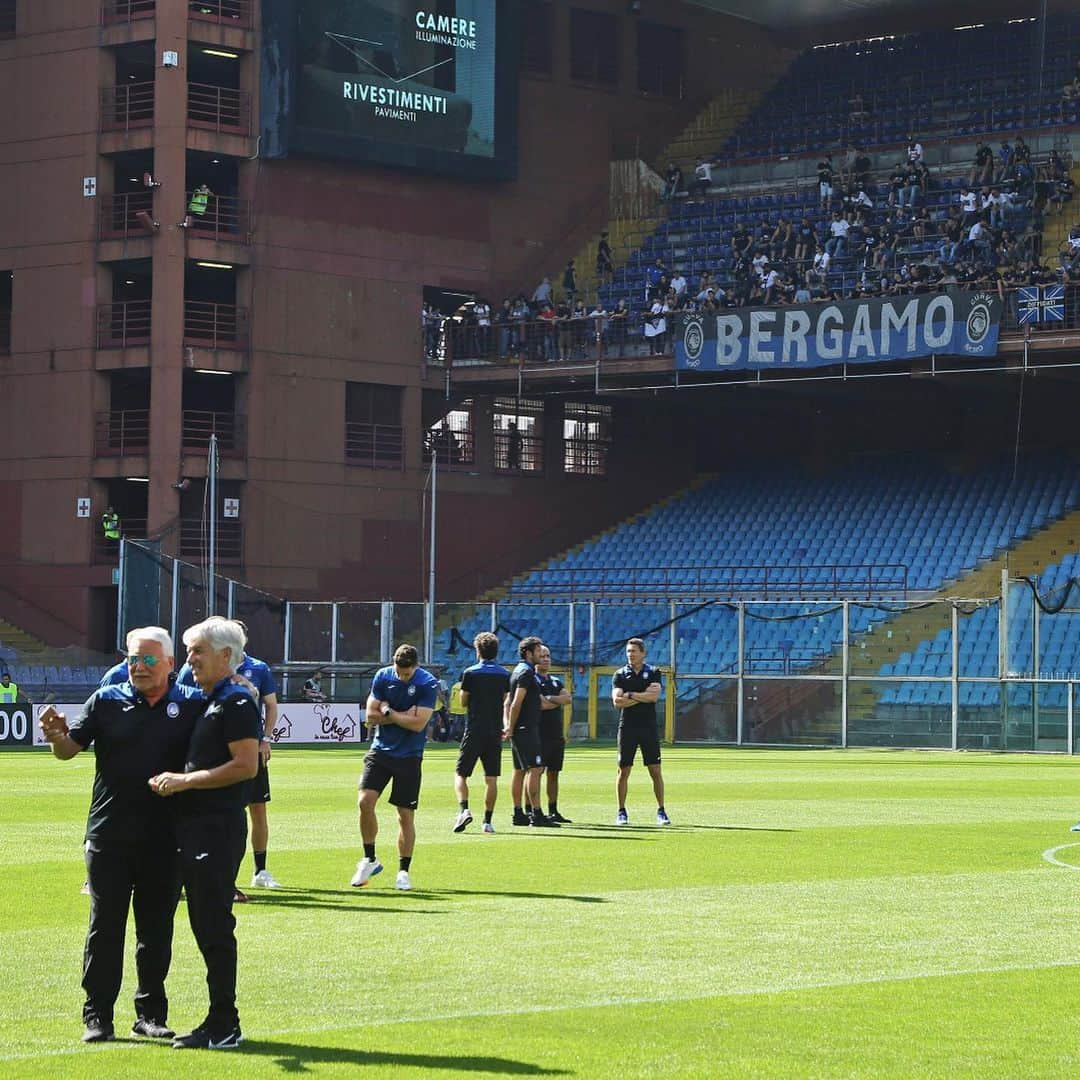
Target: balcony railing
<point>454,450</point>
<point>123,325</point>
<point>584,339</point>
<point>218,108</point>
<point>215,326</point>
<point>229,12</point>
<point>122,431</point>
<point>376,446</point>
<point>5,333</point>
<point>122,11</point>
<point>106,550</point>
<point>127,107</point>
<point>117,214</point>
<point>197,427</point>
<point>228,541</point>
<point>224,218</point>
<point>586,457</point>
<point>517,453</point>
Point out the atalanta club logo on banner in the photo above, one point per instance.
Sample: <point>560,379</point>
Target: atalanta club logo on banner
<point>979,323</point>
<point>693,341</point>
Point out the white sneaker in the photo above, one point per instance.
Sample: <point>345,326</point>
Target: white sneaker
<point>265,880</point>
<point>366,869</point>
<point>463,819</point>
<point>488,827</point>
<point>403,883</point>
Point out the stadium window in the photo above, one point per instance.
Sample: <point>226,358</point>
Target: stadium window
<point>537,37</point>
<point>7,18</point>
<point>518,433</point>
<point>374,436</point>
<point>660,60</point>
<point>586,439</point>
<point>6,279</point>
<point>594,47</point>
<point>450,439</point>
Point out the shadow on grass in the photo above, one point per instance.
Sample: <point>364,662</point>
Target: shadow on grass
<point>645,828</point>
<point>296,1057</point>
<point>310,898</point>
<point>337,900</point>
<point>517,895</point>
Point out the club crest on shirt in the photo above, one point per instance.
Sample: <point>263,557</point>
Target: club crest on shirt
<point>412,691</point>
<point>172,710</point>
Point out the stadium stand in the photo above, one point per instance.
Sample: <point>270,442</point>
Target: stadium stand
<point>936,83</point>
<point>916,524</point>
<point>956,86</point>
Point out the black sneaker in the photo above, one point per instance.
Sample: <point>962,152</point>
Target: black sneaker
<point>520,818</point>
<point>542,821</point>
<point>152,1029</point>
<point>203,1039</point>
<point>559,819</point>
<point>98,1031</point>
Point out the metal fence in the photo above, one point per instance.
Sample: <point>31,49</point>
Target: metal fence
<point>949,674</point>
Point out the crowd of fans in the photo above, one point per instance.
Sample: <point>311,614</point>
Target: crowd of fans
<point>868,239</point>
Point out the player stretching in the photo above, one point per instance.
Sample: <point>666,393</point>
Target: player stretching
<point>398,710</point>
<point>635,690</point>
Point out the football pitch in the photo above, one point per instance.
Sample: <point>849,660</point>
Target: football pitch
<point>809,914</point>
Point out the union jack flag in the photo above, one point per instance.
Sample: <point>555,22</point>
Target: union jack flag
<point>1045,304</point>
<point>1053,303</point>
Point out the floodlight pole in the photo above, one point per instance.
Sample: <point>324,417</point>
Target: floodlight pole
<point>211,474</point>
<point>429,634</point>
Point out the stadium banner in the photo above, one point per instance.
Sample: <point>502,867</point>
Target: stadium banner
<point>954,323</point>
<point>16,725</point>
<point>324,722</point>
<point>328,723</point>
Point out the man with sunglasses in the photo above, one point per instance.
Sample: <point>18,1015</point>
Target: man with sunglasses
<point>256,676</point>
<point>139,729</point>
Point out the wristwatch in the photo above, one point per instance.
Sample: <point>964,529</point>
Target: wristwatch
<point>385,709</point>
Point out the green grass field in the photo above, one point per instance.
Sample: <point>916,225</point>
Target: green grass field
<point>822,914</point>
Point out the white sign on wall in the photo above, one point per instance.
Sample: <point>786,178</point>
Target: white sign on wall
<point>82,508</point>
<point>303,723</point>
<point>324,722</point>
<point>232,508</point>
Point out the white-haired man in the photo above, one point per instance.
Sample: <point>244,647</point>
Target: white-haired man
<point>139,729</point>
<point>260,679</point>
<point>211,827</point>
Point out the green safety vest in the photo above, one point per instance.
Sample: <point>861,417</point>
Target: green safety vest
<point>111,524</point>
<point>199,202</point>
<point>9,693</point>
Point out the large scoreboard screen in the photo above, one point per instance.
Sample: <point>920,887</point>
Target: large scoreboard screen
<point>428,84</point>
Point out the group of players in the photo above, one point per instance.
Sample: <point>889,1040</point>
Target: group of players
<point>522,707</point>
<point>178,755</point>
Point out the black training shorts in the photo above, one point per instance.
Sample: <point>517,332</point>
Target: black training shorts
<point>527,751</point>
<point>380,769</point>
<point>553,751</point>
<point>631,736</point>
<point>483,747</point>
<point>259,785</point>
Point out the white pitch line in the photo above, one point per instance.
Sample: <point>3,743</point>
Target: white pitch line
<point>269,1036</point>
<point>1050,856</point>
